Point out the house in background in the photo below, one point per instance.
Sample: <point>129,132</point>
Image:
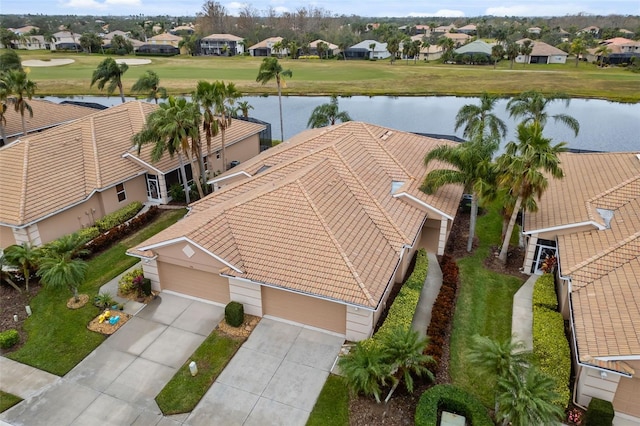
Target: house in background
<point>590,220</point>
<point>458,38</point>
<point>265,47</point>
<point>621,50</point>
<point>542,53</point>
<point>593,30</point>
<point>314,231</point>
<point>161,44</point>
<point>221,44</point>
<point>331,49</point>
<point>469,29</point>
<point>65,178</point>
<point>65,40</point>
<point>432,53</point>
<point>364,50</point>
<point>32,42</point>
<point>443,29</point>
<point>534,30</point>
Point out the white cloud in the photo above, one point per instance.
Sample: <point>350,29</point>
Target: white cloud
<point>281,9</point>
<point>445,13</point>
<point>129,3</point>
<point>535,10</point>
<point>84,4</point>
<point>235,7</point>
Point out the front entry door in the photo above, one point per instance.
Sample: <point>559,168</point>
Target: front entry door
<point>153,189</point>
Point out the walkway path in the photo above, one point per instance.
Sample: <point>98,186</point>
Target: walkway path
<point>23,380</point>
<point>522,318</point>
<point>430,291</point>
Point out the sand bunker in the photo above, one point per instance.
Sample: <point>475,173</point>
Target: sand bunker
<point>49,63</point>
<point>133,61</point>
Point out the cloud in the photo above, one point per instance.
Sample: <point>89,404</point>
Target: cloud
<point>535,10</point>
<point>84,4</point>
<point>281,9</point>
<point>445,13</point>
<point>130,3</point>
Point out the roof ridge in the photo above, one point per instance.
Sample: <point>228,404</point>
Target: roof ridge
<point>25,168</point>
<point>92,130</point>
<point>371,196</point>
<point>611,265</point>
<point>615,189</point>
<point>335,242</point>
<point>386,151</point>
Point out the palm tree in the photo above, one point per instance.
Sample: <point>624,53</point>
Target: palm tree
<point>531,106</point>
<point>17,86</point>
<point>61,271</point>
<point>470,166</point>
<point>525,49</point>
<point>3,111</point>
<point>478,119</point>
<point>602,52</point>
<point>244,106</point>
<point>174,128</point>
<point>109,71</point>
<point>513,50</point>
<point>403,348</point>
<point>149,82</point>
<point>365,370</point>
<point>271,69</point>
<point>521,169</point>
<point>426,45</point>
<point>495,359</point>
<point>327,114</point>
<point>578,48</point>
<point>524,399</point>
<point>497,53</point>
<point>69,27</point>
<point>321,48</point>
<point>25,256</point>
<point>69,245</point>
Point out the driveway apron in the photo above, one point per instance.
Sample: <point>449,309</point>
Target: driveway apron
<point>116,384</point>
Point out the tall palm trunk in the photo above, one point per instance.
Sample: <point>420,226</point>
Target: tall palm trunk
<point>185,184</point>
<point>196,176</point>
<point>121,91</point>
<point>472,221</point>
<point>3,133</point>
<point>507,236</point>
<point>280,104</point>
<point>24,124</point>
<point>222,148</point>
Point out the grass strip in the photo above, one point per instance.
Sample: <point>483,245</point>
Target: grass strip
<point>484,306</point>
<point>332,406</point>
<point>184,391</point>
<point>58,337</point>
<point>8,400</point>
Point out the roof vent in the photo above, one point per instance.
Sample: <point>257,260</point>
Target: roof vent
<point>606,215</point>
<point>396,185</point>
<point>386,135</point>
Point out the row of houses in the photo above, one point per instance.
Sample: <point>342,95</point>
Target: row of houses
<point>293,232</point>
<point>620,50</point>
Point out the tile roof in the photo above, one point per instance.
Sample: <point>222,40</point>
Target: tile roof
<point>46,114</point>
<point>229,37</point>
<point>321,219</point>
<point>540,48</point>
<point>314,44</point>
<point>603,263</point>
<point>88,155</point>
<point>267,42</point>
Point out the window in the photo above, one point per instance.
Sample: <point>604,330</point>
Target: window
<point>218,155</point>
<point>120,191</point>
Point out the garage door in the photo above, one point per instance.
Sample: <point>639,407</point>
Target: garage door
<point>304,309</point>
<point>192,282</point>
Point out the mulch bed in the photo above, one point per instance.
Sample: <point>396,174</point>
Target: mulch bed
<point>244,330</point>
<point>105,327</point>
<point>13,303</point>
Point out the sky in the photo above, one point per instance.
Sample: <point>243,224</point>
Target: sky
<point>372,8</point>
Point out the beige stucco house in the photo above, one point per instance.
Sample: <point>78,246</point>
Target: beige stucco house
<point>65,178</point>
<point>591,221</point>
<point>314,231</point>
<point>542,53</point>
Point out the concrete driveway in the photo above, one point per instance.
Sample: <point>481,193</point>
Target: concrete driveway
<point>274,378</point>
<point>116,384</point>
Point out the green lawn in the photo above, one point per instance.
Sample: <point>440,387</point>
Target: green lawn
<point>184,391</point>
<point>332,406</point>
<point>8,400</point>
<point>484,306</point>
<point>58,337</point>
<point>354,77</point>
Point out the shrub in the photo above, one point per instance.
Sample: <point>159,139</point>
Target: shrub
<point>404,306</point>
<point>454,400</point>
<point>103,300</point>
<point>105,240</point>
<point>234,314</point>
<point>544,293</point>
<point>89,233</point>
<point>9,338</point>
<point>126,284</point>
<point>118,217</point>
<point>146,286</point>
<point>599,413</point>
<point>551,350</point>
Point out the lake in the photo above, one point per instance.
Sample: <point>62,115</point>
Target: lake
<point>604,125</point>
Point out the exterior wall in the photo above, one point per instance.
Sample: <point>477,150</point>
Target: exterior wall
<point>627,399</point>
<point>445,229</point>
<point>557,59</point>
<point>30,234</point>
<point>71,220</point>
<point>178,254</point>
<point>150,270</point>
<point>562,289</point>
<point>247,293</point>
<point>135,190</point>
<point>6,237</point>
<point>360,323</point>
<point>530,251</point>
<point>239,151</point>
<point>590,384</point>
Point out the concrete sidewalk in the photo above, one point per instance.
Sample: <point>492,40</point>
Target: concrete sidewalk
<point>23,380</point>
<point>428,296</point>
<point>131,307</point>
<point>522,317</point>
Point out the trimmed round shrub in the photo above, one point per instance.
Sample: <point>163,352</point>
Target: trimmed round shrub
<point>454,400</point>
<point>234,314</point>
<point>9,338</point>
<point>544,292</point>
<point>599,413</point>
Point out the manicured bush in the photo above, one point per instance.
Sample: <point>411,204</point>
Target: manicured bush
<point>599,413</point>
<point>89,233</point>
<point>118,217</point>
<point>234,314</point>
<point>9,338</point>
<point>544,292</point>
<point>551,350</point>
<point>103,300</point>
<point>107,239</point>
<point>126,284</point>
<point>146,286</point>
<point>453,400</point>
<point>404,306</point>
<point>441,314</point>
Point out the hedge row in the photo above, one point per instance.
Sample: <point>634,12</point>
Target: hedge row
<point>404,306</point>
<point>116,234</point>
<point>544,292</point>
<point>551,350</point>
<point>443,307</point>
<point>118,217</point>
<point>453,400</point>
